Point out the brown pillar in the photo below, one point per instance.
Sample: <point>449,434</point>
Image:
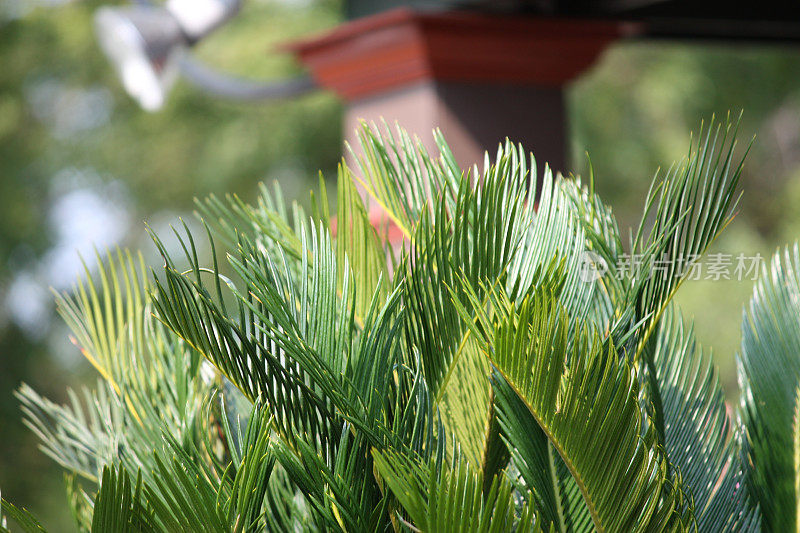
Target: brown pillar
<point>478,77</point>
<point>474,116</point>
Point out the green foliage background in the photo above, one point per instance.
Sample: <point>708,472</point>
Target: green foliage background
<point>157,163</point>
<point>631,113</point>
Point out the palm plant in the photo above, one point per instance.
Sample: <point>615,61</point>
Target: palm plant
<point>309,376</point>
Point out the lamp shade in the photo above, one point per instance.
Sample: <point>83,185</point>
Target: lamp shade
<point>142,43</point>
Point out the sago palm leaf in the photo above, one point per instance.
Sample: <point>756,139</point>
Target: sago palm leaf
<point>82,436</point>
<point>700,437</point>
<point>358,245</point>
<point>249,349</point>
<point>296,343</point>
<point>178,495</point>
<point>450,497</point>
<point>686,210</point>
<point>401,176</point>
<point>21,517</point>
<point>540,468</point>
<point>119,505</point>
<point>475,238</point>
<point>769,370</point>
<point>585,399</point>
<point>151,378</point>
<point>268,222</point>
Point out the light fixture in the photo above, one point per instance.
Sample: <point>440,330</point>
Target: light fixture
<point>147,45</point>
<point>142,43</point>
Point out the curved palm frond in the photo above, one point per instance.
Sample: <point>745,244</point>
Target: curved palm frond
<point>769,371</point>
<point>359,246</point>
<point>689,208</point>
<point>250,349</point>
<point>685,211</point>
<point>701,439</point>
<point>178,494</point>
<point>119,506</point>
<point>402,178</point>
<point>489,234</point>
<point>585,400</point>
<point>83,436</point>
<point>476,240</point>
<point>297,342</point>
<point>542,473</point>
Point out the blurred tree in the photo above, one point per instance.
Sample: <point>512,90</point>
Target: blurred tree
<point>81,163</point>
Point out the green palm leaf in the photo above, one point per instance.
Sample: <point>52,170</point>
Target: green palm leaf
<point>83,436</point>
<point>150,377</point>
<point>769,369</point>
<point>250,349</point>
<point>296,344</point>
<point>475,238</point>
<point>359,246</point>
<point>700,438</point>
<point>438,497</point>
<point>21,517</point>
<point>585,399</point>
<point>186,496</point>
<point>119,506</point>
<point>689,208</point>
<point>402,178</point>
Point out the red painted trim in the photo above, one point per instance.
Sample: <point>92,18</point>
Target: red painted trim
<point>399,47</point>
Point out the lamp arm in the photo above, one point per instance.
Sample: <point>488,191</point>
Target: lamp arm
<point>224,85</point>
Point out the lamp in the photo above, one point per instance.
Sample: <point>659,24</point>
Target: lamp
<point>145,42</point>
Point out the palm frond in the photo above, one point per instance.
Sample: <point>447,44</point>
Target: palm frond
<point>83,436</point>
<point>769,371</point>
<point>401,176</point>
<point>543,473</point>
<point>269,223</point>
<point>585,399</point>
<point>184,497</point>
<point>700,437</point>
<point>119,505</point>
<point>450,497</point>
<point>295,344</point>
<point>259,349</point>
<point>19,516</point>
<point>359,246</point>
<point>80,502</point>
<point>342,492</point>
<point>476,239</point>
<point>556,235</point>
<point>602,238</point>
<point>686,210</point>
<point>150,377</point>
